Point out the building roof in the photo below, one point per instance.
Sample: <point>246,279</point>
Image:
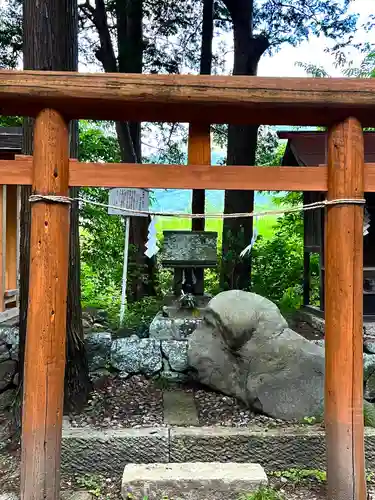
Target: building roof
<point>11,139</point>
<point>309,148</point>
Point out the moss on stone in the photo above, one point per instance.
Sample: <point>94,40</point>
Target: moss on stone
<point>369,414</point>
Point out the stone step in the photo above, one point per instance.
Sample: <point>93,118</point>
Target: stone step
<point>179,408</point>
<point>191,481</point>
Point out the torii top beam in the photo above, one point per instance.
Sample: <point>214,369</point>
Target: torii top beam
<point>188,98</point>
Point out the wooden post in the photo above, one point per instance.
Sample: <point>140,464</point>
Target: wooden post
<point>3,217</point>
<point>343,313</point>
<point>11,238</point>
<point>46,323</point>
<point>18,241</point>
<point>306,278</point>
<point>199,153</point>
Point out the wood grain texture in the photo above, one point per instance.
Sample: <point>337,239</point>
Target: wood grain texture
<point>18,171</point>
<point>11,238</point>
<point>46,324</point>
<point>2,245</point>
<point>188,98</point>
<point>107,175</point>
<point>343,314</point>
<point>199,176</point>
<point>199,153</point>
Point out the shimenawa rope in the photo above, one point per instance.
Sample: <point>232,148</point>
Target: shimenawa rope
<point>311,206</point>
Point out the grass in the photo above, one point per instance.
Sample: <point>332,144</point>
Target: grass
<point>265,225</point>
<point>301,476</point>
<point>264,493</point>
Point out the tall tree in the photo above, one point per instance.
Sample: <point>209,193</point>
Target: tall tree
<point>123,53</point>
<point>259,26</point>
<point>198,196</point>
<point>10,33</point>
<point>50,43</point>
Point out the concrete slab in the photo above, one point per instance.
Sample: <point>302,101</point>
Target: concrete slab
<point>191,481</point>
<point>179,408</point>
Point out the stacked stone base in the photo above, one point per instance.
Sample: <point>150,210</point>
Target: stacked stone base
<point>107,452</point>
<point>162,354</point>
<point>8,366</point>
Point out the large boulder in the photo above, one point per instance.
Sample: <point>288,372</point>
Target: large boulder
<point>245,349</point>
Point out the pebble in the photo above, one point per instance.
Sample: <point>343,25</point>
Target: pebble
<point>8,496</point>
<point>137,401</point>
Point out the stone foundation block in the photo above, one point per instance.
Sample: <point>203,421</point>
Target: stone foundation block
<point>191,481</point>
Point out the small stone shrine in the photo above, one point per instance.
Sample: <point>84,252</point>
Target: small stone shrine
<point>188,254</point>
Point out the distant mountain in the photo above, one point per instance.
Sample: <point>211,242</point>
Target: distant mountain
<point>179,200</point>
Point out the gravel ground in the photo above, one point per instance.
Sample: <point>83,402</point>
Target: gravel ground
<point>306,330</point>
<point>138,402</point>
<point>217,409</point>
<point>120,403</point>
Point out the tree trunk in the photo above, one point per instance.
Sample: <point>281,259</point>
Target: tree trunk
<point>77,380</point>
<point>129,17</point>
<point>130,60</point>
<point>242,143</point>
<point>50,43</point>
<point>198,197</point>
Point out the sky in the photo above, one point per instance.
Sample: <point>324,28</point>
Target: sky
<point>312,51</point>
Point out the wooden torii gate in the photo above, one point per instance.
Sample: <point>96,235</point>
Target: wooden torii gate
<point>344,105</point>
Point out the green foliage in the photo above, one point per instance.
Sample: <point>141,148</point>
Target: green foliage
<point>97,296</point>
<point>300,476</point>
<point>98,142</point>
<point>369,414</point>
<point>365,70</point>
<point>309,420</point>
<point>263,493</point>
<point>269,150</point>
<point>140,314</point>
<point>91,483</point>
<point>278,261</point>
<point>10,33</point>
<point>10,121</point>
<point>102,235</point>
